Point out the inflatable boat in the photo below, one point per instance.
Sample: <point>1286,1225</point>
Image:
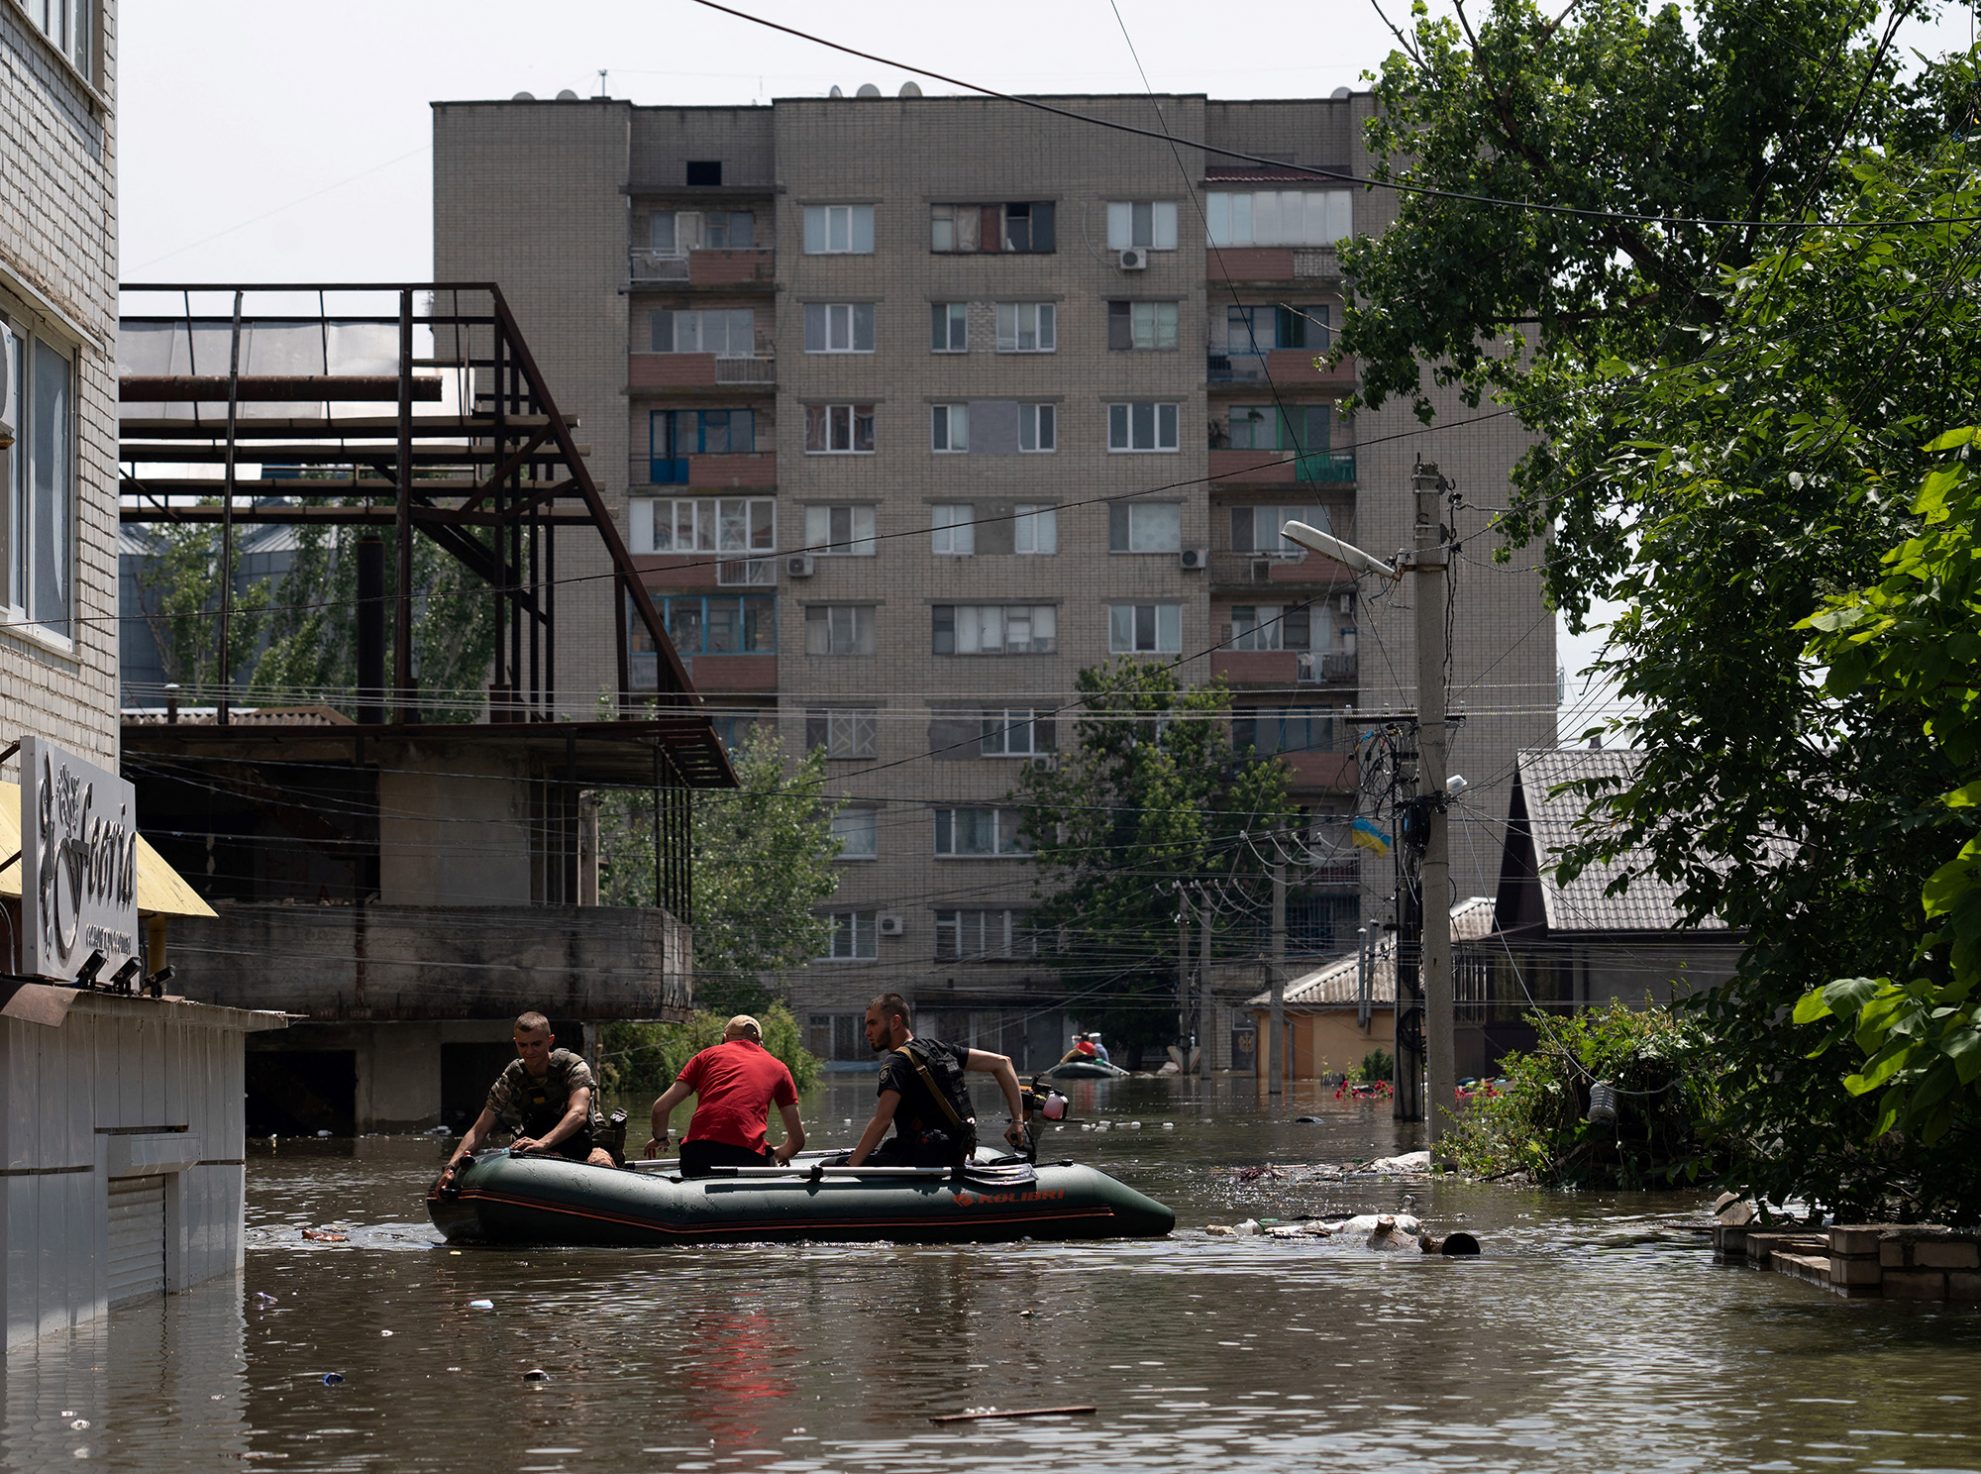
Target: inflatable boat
<point>498,1198</point>
<point>1086,1069</point>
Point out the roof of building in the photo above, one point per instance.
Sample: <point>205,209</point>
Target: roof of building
<point>245,716</point>
<point>1553,819</point>
<point>1336,984</point>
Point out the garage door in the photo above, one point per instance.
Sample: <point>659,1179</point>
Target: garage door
<point>137,1238</point>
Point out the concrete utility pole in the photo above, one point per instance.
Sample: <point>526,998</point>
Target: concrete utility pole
<point>1276,1049</point>
<point>1204,1001</point>
<point>1182,982</point>
<point>1430,563</point>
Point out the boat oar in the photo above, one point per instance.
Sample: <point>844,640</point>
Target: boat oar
<point>1016,1412</point>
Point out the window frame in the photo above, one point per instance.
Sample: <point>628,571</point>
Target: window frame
<point>949,322</point>
<point>1004,825</point>
<point>1158,612</point>
<point>702,512</point>
<point>868,812</point>
<point>862,621</point>
<point>1125,240</point>
<point>1123,411</point>
<point>830,545</point>
<point>1044,327</point>
<point>862,924</point>
<point>831,318</point>
<point>1001,723</point>
<point>953,924</point>
<point>703,604</point>
<point>27,579</point>
<point>826,215</point>
<point>826,420</point>
<point>943,421</point>
<point>1029,517</point>
<point>1035,643</point>
<point>1040,420</point>
<point>952,535</point>
<point>1122,519</point>
<point>846,733</point>
<point>1122,312</point>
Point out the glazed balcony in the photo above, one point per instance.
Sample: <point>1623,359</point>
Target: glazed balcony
<point>1287,369</point>
<point>1285,670</point>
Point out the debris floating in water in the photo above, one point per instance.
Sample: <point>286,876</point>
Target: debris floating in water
<point>536,1374</point>
<point>331,1379</point>
<point>384,1333</point>
<point>262,1297</point>
<point>977,1414</point>
<point>481,1305</point>
<point>79,1424</point>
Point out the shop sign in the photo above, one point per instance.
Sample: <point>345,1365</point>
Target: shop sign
<point>79,864</point>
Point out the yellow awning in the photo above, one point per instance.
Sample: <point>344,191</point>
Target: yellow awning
<point>161,890</point>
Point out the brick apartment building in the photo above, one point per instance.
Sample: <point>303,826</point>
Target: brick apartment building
<point>914,407</point>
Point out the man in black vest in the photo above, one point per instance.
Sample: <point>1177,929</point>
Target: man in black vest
<point>924,1097</point>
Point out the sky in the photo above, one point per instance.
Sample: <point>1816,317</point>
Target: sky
<point>263,141</point>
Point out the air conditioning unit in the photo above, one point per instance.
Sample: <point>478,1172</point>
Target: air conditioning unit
<point>1135,258</point>
<point>1045,763</point>
<point>892,926</point>
<point>6,367</point>
<point>1194,560</point>
<point>800,565</point>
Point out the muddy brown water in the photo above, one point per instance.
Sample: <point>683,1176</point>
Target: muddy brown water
<point>1593,1334</point>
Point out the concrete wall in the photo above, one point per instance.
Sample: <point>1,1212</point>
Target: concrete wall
<point>454,829</point>
<point>58,278</point>
<point>119,1087</point>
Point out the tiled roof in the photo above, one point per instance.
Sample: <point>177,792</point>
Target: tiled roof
<point>1334,985</point>
<point>1648,904</point>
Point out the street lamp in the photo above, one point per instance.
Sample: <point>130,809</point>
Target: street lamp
<point>1428,559</point>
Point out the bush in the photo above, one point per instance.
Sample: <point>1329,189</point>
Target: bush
<point>1376,1065</point>
<point>638,1059</point>
<point>1665,1072</point>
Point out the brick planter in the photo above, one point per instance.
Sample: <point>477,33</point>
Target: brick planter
<point>1895,1261</point>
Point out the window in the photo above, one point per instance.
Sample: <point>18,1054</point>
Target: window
<point>1024,226</point>
<point>839,629</point>
<point>1271,627</point>
<point>1279,217</point>
<point>71,25</point>
<point>984,936</point>
<point>1260,329</point>
<point>1267,730</point>
<point>994,629</point>
<point>978,833</point>
<point>676,434</point>
<point>677,232</point>
<point>1257,529</point>
<point>839,531</point>
<point>839,230</point>
<point>734,731</point>
<point>721,624</point>
<point>1145,527</point>
<point>1142,426</point>
<point>704,173</point>
<point>839,327</point>
<point>1017,732</point>
<point>704,524</point>
<point>949,327</point>
<point>953,531</point>
<point>949,428</point>
<point>854,826</point>
<point>1149,223</point>
<point>855,937</point>
<point>1145,629</point>
<point>1147,325</point>
<point>41,481</point>
<point>1026,327</point>
<point>727,332</point>
<point>1035,530</point>
<point>1302,427</point>
<point>842,732</point>
<point>1038,428</point>
<point>839,429</point>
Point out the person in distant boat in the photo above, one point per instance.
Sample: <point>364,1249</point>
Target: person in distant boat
<point>1100,1049</point>
<point>1082,1051</point>
<point>735,1083</point>
<point>546,1097</point>
<point>924,1097</point>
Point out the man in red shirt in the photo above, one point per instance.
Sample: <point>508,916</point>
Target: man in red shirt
<point>734,1083</point>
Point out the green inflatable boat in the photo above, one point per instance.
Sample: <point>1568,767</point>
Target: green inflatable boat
<point>502,1199</point>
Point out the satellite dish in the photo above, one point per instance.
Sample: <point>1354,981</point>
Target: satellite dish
<point>867,89</point>
<point>911,89</point>
<point>1342,94</point>
<point>567,95</point>
<point>837,90</point>
<point>523,97</point>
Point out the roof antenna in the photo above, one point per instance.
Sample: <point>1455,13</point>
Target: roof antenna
<point>601,83</point>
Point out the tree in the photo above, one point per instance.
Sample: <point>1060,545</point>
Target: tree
<point>762,856</point>
<point>179,586</point>
<point>1149,797</point>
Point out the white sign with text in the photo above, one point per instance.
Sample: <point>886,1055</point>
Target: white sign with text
<point>79,864</point>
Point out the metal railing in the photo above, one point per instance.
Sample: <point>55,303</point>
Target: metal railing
<point>759,370</point>
<point>1325,667</point>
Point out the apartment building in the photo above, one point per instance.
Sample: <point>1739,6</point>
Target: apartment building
<point>914,407</point>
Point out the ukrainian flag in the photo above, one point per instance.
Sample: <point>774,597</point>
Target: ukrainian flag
<point>1363,832</point>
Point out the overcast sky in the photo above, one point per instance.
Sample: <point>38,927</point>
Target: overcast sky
<point>263,141</point>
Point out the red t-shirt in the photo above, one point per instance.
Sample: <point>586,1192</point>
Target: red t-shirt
<point>735,1085</point>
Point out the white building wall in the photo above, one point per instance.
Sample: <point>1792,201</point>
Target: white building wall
<point>119,1087</point>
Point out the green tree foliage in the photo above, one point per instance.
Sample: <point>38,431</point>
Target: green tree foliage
<point>1664,1069</point>
<point>1147,795</point>
<point>1910,644</point>
<point>639,1060</point>
<point>763,855</point>
<point>179,589</point>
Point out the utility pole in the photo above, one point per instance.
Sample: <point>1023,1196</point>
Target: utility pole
<point>1276,1051</point>
<point>1204,998</point>
<point>1430,562</point>
<point>1182,981</point>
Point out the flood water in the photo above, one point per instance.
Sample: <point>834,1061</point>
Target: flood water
<point>1594,1333</point>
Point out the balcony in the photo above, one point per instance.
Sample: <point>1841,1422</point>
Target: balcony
<point>1282,467</point>
<point>688,372</point>
<point>730,673</point>
<point>1285,670</point>
<point>1265,573</point>
<point>1329,772</point>
<point>716,267</point>
<point>751,469</point>
<point>1290,369</point>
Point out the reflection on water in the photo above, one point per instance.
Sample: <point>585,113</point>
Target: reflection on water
<point>1592,1334</point>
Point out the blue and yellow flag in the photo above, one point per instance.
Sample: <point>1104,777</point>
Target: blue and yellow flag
<point>1368,836</point>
